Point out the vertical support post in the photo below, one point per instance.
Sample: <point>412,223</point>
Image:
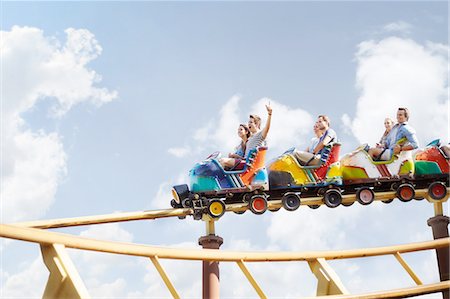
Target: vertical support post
<point>439,225</point>
<point>210,271</point>
<point>63,281</point>
<point>328,282</point>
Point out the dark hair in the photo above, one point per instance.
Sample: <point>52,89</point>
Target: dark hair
<point>257,120</point>
<point>406,112</point>
<point>325,118</point>
<point>247,130</point>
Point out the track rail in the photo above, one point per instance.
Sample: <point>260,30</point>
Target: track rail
<point>165,213</point>
<point>64,280</point>
<point>47,237</point>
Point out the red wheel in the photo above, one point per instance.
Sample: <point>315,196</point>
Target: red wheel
<point>405,192</point>
<point>437,190</point>
<point>365,196</point>
<point>258,204</point>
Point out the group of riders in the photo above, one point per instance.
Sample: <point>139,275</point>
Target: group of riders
<point>252,136</point>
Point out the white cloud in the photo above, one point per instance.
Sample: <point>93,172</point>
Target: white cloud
<point>290,127</point>
<point>396,72</point>
<point>400,26</point>
<point>28,283</point>
<point>36,68</point>
<point>179,152</point>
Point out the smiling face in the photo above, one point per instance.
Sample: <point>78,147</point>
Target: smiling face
<point>243,132</point>
<point>402,116</point>
<point>388,123</point>
<point>254,123</point>
<point>322,123</point>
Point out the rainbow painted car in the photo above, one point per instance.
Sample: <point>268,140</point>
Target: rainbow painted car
<point>210,185</point>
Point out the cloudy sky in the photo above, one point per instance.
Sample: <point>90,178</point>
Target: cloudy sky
<point>106,105</point>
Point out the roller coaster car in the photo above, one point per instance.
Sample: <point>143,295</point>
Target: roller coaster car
<point>363,175</point>
<point>293,180</point>
<point>211,185</point>
<point>432,171</point>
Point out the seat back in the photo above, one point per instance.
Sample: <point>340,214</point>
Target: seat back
<point>331,156</point>
<point>256,160</point>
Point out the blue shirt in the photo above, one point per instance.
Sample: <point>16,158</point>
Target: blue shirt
<point>401,131</point>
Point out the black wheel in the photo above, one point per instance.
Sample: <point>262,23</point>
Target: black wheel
<point>405,192</point>
<point>347,204</point>
<point>437,190</point>
<point>216,208</point>
<point>291,201</point>
<point>365,196</point>
<point>239,212</point>
<point>274,209</point>
<point>174,204</point>
<point>180,192</point>
<point>186,203</point>
<point>332,198</point>
<point>388,200</point>
<point>258,204</point>
<point>314,207</point>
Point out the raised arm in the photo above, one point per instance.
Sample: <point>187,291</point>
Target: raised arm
<point>267,127</point>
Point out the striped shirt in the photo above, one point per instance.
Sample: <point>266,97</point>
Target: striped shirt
<point>253,142</point>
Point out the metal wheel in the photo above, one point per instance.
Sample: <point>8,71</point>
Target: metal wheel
<point>405,192</point>
<point>274,209</point>
<point>332,198</point>
<point>216,208</point>
<point>174,204</point>
<point>314,207</point>
<point>186,203</point>
<point>291,201</point>
<point>437,190</point>
<point>258,204</point>
<point>239,212</point>
<point>365,196</point>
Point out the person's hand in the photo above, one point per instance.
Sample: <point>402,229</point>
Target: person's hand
<point>269,109</point>
<point>397,149</point>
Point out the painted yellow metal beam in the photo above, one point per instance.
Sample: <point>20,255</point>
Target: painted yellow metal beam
<point>408,269</point>
<point>251,279</point>
<point>164,277</point>
<point>108,218</point>
<point>47,237</point>
<point>148,215</point>
<point>394,294</point>
<point>63,281</point>
<point>328,282</point>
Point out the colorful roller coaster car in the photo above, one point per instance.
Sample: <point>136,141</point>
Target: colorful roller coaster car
<point>211,186</point>
<point>432,171</point>
<point>289,180</point>
<point>363,175</point>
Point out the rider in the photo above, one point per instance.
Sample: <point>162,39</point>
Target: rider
<point>399,131</point>
<point>328,136</point>
<point>257,138</point>
<point>239,152</point>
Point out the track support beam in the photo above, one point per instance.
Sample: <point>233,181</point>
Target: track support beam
<point>328,281</point>
<point>210,271</point>
<point>63,281</point>
<point>439,225</point>
<point>251,279</point>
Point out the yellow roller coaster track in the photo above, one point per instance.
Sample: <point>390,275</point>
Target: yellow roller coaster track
<point>65,282</point>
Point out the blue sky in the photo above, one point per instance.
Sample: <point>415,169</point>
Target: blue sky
<point>119,107</point>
